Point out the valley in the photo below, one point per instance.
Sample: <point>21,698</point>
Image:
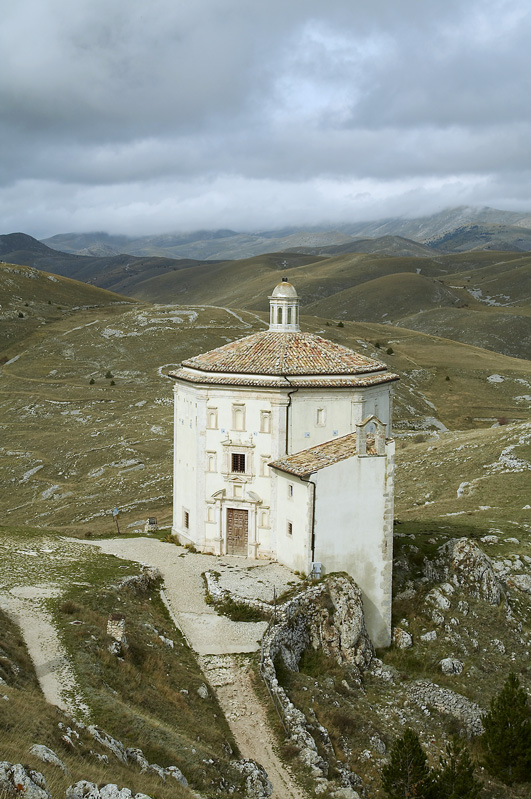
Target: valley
<point>86,426</point>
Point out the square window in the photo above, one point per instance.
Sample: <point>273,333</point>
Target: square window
<point>238,462</point>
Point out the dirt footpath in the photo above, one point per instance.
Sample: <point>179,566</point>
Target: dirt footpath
<point>231,678</point>
<point>219,642</point>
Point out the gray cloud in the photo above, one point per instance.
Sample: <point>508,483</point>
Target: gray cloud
<point>134,117</point>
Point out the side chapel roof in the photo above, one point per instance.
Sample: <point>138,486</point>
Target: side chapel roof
<point>304,463</point>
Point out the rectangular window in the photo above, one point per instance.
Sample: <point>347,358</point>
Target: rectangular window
<point>265,421</point>
<point>238,462</point>
<point>320,417</point>
<point>186,520</point>
<point>212,418</point>
<point>290,528</point>
<point>290,490</point>
<point>238,418</point>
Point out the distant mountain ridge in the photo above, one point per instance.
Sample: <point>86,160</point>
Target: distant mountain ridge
<point>504,230</point>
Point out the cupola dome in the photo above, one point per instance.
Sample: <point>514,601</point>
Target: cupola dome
<point>284,308</point>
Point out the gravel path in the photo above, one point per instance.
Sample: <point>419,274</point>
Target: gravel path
<point>184,589</point>
<point>218,641</point>
<point>57,680</point>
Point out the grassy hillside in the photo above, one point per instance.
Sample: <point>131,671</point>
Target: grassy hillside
<point>30,299</point>
<point>74,445</point>
<point>388,298</point>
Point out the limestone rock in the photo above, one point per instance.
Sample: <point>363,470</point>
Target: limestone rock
<point>47,756</point>
<point>89,790</point>
<point>521,581</point>
<point>469,714</point>
<point>116,747</point>
<point>135,755</point>
<point>15,780</point>
<point>401,638</point>
<point>463,563</point>
<point>140,583</point>
<point>451,666</point>
<point>429,636</point>
<point>346,793</point>
<point>176,773</point>
<point>257,785</point>
<point>202,691</point>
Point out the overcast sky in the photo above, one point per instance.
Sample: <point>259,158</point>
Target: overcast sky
<point>146,116</point>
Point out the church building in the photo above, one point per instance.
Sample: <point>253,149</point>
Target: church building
<point>283,450</point>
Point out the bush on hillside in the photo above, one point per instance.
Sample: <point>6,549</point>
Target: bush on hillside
<point>507,737</point>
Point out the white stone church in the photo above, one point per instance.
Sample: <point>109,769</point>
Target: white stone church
<point>282,450</point>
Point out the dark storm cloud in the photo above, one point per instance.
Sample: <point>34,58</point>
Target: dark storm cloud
<point>129,115</point>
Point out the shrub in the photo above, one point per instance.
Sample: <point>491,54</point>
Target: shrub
<point>91,381</point>
<point>20,315</point>
<point>507,737</point>
<point>455,779</point>
<point>108,374</point>
<point>112,383</point>
<point>407,774</point>
<point>389,350</point>
<point>340,324</point>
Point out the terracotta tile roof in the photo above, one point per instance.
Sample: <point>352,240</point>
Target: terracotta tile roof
<point>274,353</point>
<point>311,460</point>
<point>334,381</point>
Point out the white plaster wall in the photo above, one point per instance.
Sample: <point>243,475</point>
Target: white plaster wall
<point>352,535</point>
<point>194,440</point>
<point>293,550</point>
<point>343,409</point>
<point>187,452</point>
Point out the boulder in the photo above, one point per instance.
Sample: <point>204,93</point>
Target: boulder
<point>16,780</point>
<point>451,666</point>
<point>257,785</point>
<point>401,638</point>
<point>462,563</point>
<point>47,756</point>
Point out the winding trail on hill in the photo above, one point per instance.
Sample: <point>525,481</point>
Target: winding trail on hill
<point>221,644</point>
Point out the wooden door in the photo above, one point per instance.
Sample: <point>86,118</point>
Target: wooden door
<point>237,531</point>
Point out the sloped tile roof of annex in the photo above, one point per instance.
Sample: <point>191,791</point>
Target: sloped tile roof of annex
<point>311,460</point>
<point>276,353</point>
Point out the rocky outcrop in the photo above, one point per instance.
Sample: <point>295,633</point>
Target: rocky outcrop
<point>326,617</point>
<point>89,790</point>
<point>141,583</point>
<point>464,565</point>
<point>16,780</point>
<point>257,785</point>
<point>135,755</point>
<point>469,714</point>
<point>47,756</point>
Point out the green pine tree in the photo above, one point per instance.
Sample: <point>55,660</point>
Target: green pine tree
<point>407,775</point>
<point>507,738</point>
<point>455,778</point>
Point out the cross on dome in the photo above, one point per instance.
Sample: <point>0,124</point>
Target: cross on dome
<point>284,308</point>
